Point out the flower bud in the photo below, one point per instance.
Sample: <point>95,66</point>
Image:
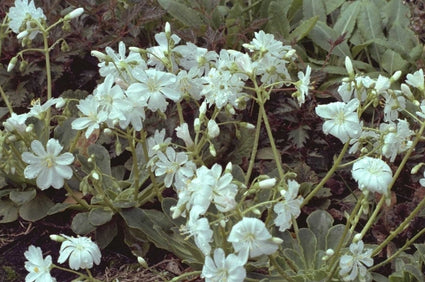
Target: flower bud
<point>12,64</point>
<point>57,238</point>
<point>229,167</point>
<point>330,252</point>
<point>213,129</point>
<point>277,240</point>
<point>22,34</point>
<point>99,55</point>
<point>95,175</point>
<point>142,262</point>
<point>395,76</point>
<point>212,150</point>
<point>29,128</point>
<point>349,66</point>
<point>416,168</point>
<point>247,125</point>
<point>60,103</point>
<point>357,237</point>
<point>267,183</point>
<point>167,28</point>
<point>74,14</point>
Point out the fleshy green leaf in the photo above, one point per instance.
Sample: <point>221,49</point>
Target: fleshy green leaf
<point>392,62</point>
<point>332,5</point>
<point>370,26</point>
<point>100,216</point>
<point>181,12</point>
<point>322,35</point>
<point>102,158</point>
<point>81,224</point>
<point>308,243</point>
<point>22,197</point>
<point>347,20</point>
<point>8,211</point>
<point>312,8</point>
<point>319,222</point>
<point>36,209</point>
<point>278,22</point>
<point>106,233</point>
<point>303,29</point>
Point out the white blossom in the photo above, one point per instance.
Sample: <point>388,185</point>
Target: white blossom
<point>22,14</point>
<point>47,165</point>
<point>342,120</point>
<point>37,266</point>
<point>416,79</point>
<point>372,174</point>
<point>354,265</point>
<point>289,208</point>
<point>220,268</point>
<point>81,251</point>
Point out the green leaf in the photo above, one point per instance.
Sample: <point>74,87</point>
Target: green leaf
<point>100,216</point>
<point>370,26</point>
<point>334,236</point>
<point>60,207</point>
<point>64,133</point>
<point>181,12</point>
<point>392,62</point>
<point>402,37</point>
<point>81,224</point>
<point>243,146</point>
<point>332,5</point>
<point>22,197</point>
<point>295,258</point>
<point>36,209</point>
<point>319,222</point>
<point>308,242</point>
<point>106,233</point>
<point>397,13</point>
<point>8,211</point>
<point>312,8</point>
<point>322,35</point>
<point>278,22</point>
<point>101,157</point>
<point>303,29</point>
<point>347,20</point>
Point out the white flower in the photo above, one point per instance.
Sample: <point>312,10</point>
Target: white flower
<point>251,237</point>
<point>22,14</point>
<point>222,87</point>
<point>37,266</point>
<point>342,119</point>
<point>155,86</point>
<point>289,208</point>
<point>372,174</point>
<point>74,13</point>
<point>200,229</point>
<point>92,118</point>
<point>82,252</point>
<point>222,268</point>
<point>355,264</point>
<point>157,142</point>
<point>37,109</point>
<point>183,133</point>
<point>194,57</point>
<point>158,55</point>
<point>398,141</point>
<point>302,85</point>
<point>48,166</point>
<point>416,80</point>
<point>16,122</point>
<point>223,190</point>
<point>172,163</point>
<point>118,64</point>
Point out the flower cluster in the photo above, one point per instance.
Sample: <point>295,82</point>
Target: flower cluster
<point>81,251</point>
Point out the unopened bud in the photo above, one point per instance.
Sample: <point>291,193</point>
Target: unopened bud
<point>330,252</point>
<point>57,238</point>
<point>29,128</point>
<point>357,237</point>
<point>99,55</point>
<point>12,64</point>
<point>416,103</point>
<point>212,150</point>
<point>95,175</point>
<point>22,34</point>
<point>142,262</point>
<point>267,183</point>
<point>256,211</point>
<point>395,76</point>
<point>277,240</point>
<point>349,66</point>
<point>74,14</point>
<point>167,28</point>
<point>247,125</point>
<point>416,168</point>
<point>213,129</point>
<point>60,103</point>
<point>229,167</point>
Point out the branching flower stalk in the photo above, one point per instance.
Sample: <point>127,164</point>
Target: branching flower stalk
<point>382,200</point>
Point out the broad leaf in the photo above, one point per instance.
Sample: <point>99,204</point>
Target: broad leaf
<point>182,12</point>
<point>36,209</point>
<point>81,224</point>
<point>392,62</point>
<point>278,22</point>
<point>319,222</point>
<point>22,197</point>
<point>312,8</point>
<point>322,35</point>
<point>303,29</point>
<point>8,211</point>
<point>347,20</point>
<point>100,216</point>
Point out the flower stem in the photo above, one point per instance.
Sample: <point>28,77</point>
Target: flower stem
<point>328,175</point>
<point>184,275</point>
<point>381,202</point>
<point>6,100</point>
<point>78,200</point>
